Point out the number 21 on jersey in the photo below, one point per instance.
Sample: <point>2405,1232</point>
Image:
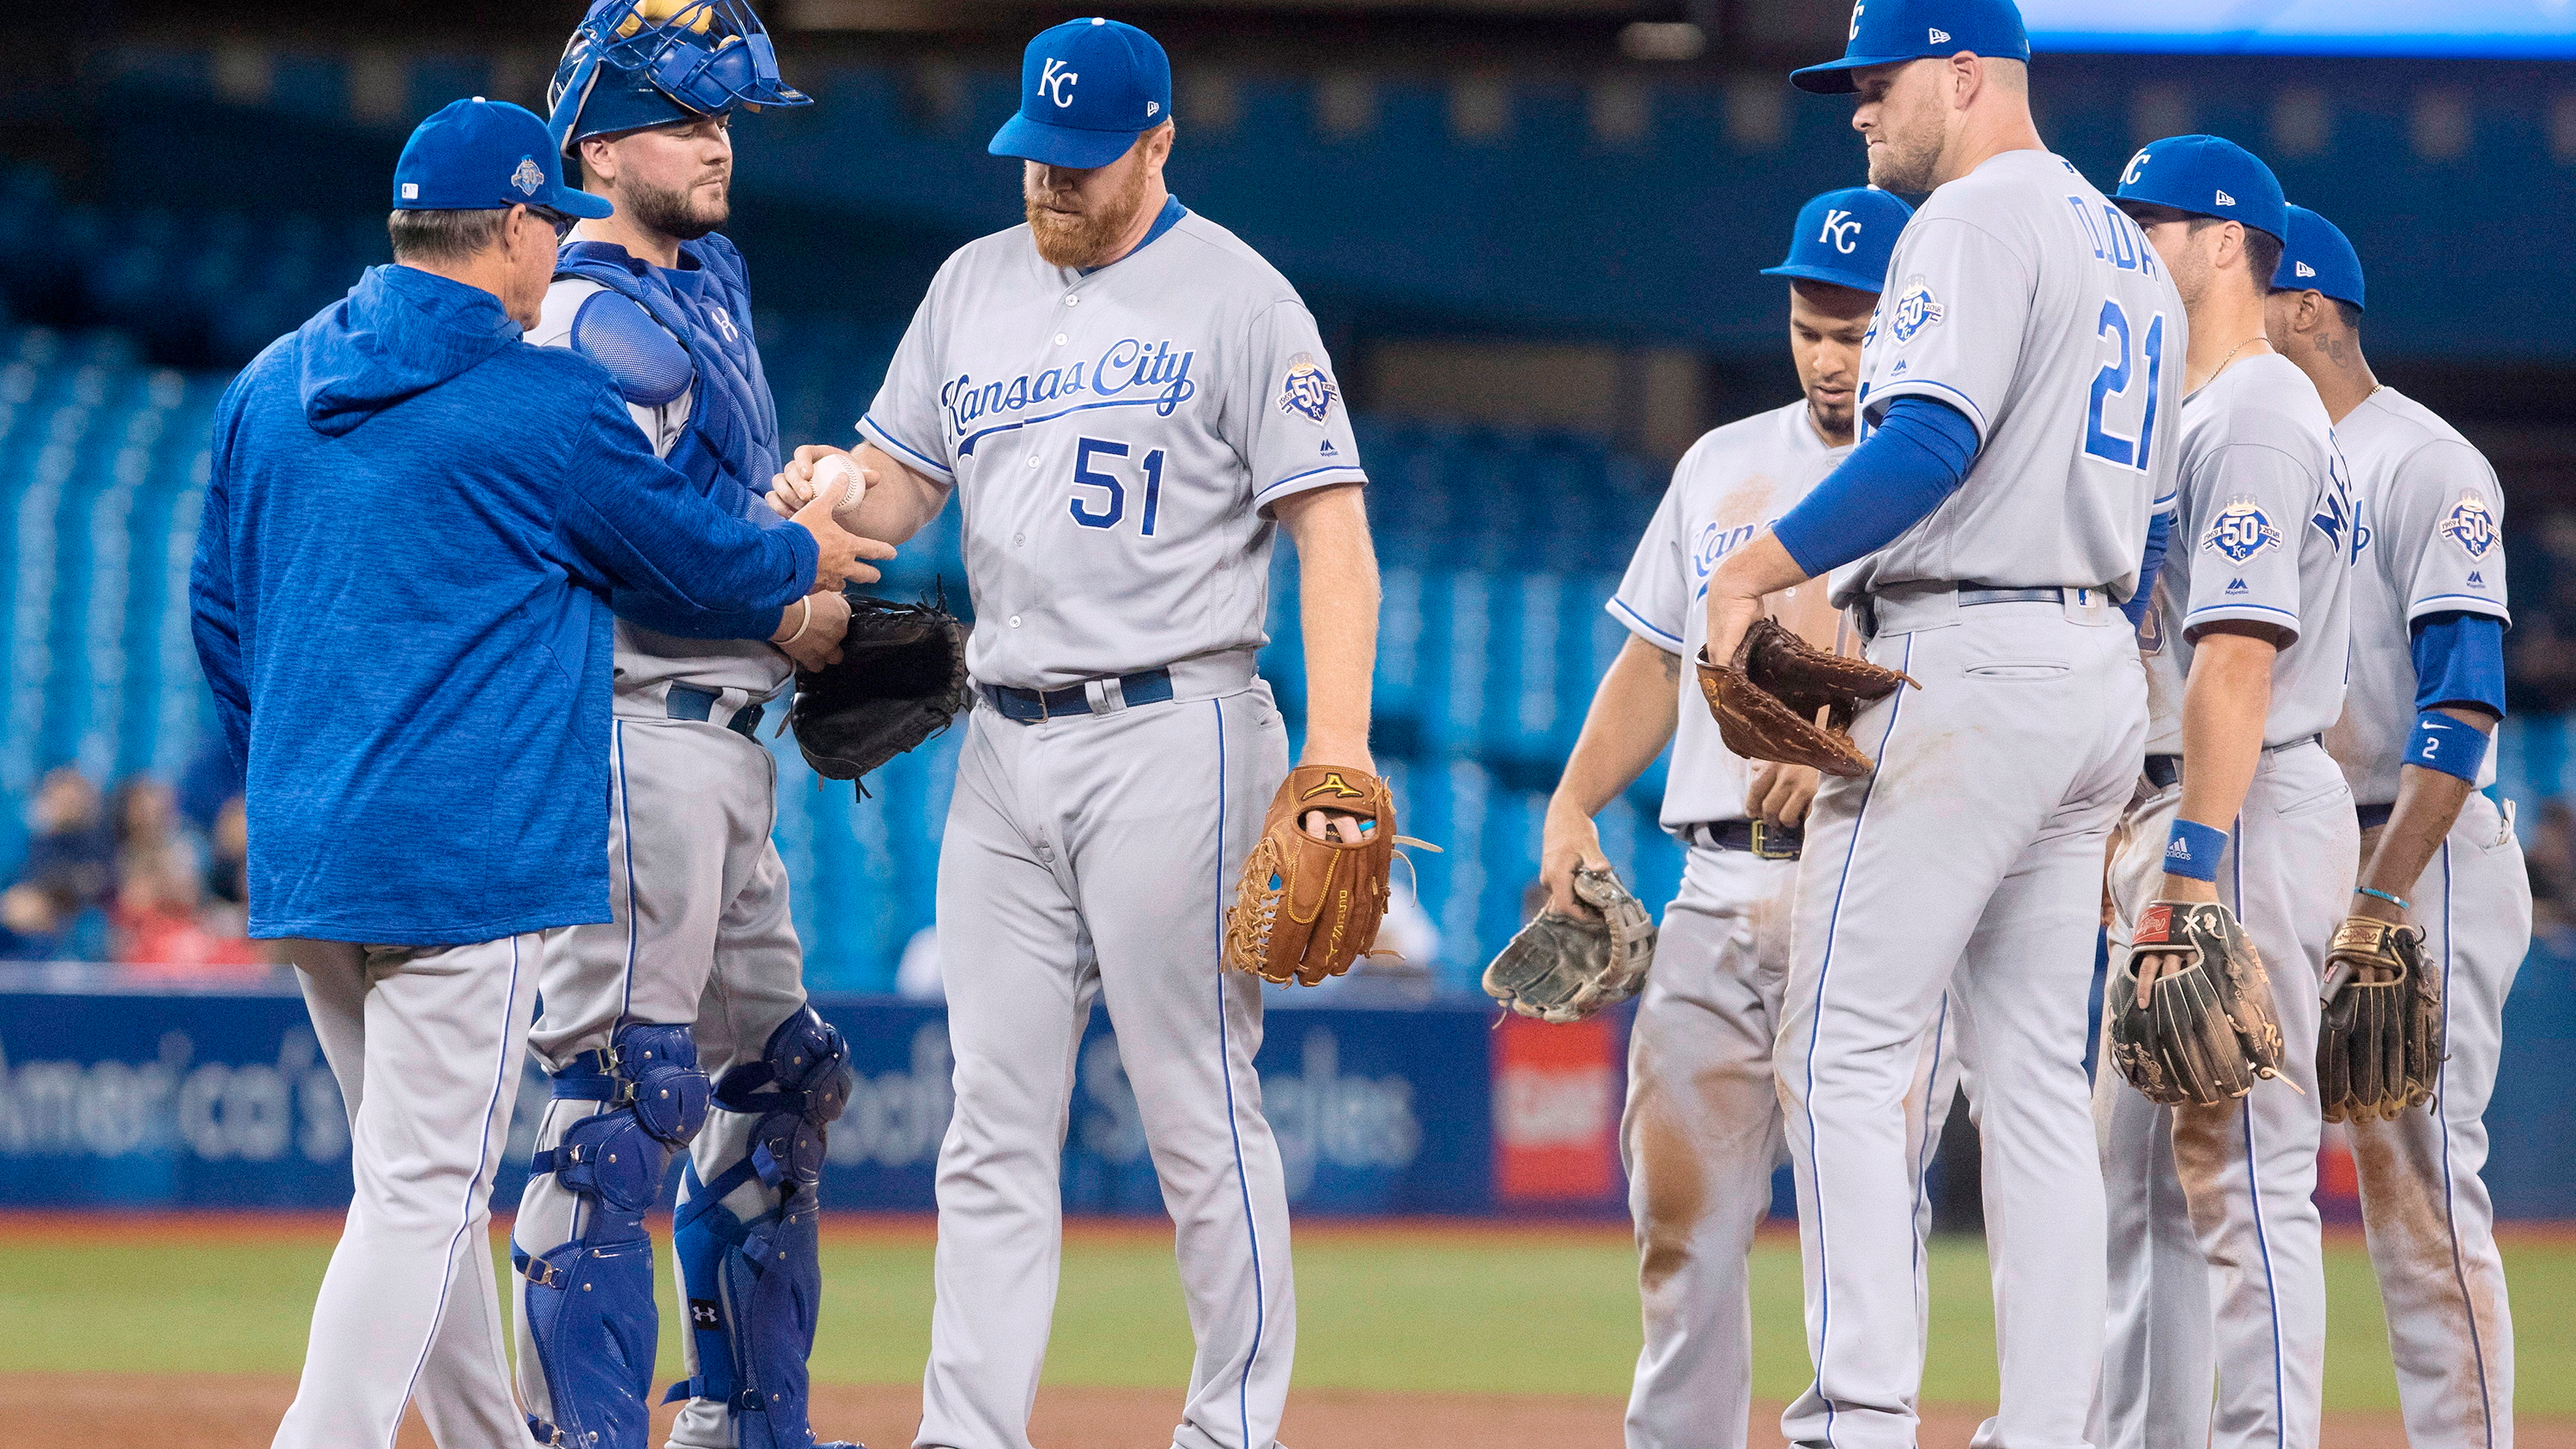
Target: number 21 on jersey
<point>1100,490</point>
<point>2118,386</point>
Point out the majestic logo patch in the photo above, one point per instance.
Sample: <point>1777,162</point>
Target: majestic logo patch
<point>2239,532</point>
<point>1307,392</point>
<point>2477,580</point>
<point>1916,309</point>
<point>1334,785</point>
<point>2237,586</point>
<point>527,178</point>
<point>2470,526</point>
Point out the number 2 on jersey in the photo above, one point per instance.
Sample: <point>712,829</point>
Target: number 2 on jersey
<point>2113,381</point>
<point>1113,488</point>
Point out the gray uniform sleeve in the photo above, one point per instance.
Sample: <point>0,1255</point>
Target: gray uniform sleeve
<point>2242,528</point>
<point>1655,594</point>
<point>904,421</point>
<point>2444,533</point>
<point>1296,430</point>
<point>1953,319</point>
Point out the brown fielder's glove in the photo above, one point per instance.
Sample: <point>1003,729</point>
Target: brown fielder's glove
<point>2379,1043</point>
<point>1766,699</point>
<point>2208,1032</point>
<point>1306,908</point>
<point>1565,968</point>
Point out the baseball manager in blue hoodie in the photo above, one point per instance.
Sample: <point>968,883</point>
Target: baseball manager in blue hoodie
<point>400,586</point>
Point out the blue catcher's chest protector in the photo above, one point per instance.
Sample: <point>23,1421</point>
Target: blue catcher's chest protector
<point>705,303</point>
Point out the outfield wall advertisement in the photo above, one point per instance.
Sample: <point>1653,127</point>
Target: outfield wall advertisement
<point>203,1100</point>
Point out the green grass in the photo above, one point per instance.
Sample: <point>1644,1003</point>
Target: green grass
<point>1483,1313</point>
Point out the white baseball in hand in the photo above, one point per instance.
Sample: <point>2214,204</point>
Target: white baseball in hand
<point>842,471</point>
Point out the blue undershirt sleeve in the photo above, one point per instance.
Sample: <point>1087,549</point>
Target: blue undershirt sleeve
<point>2151,563</point>
<point>1917,456</point>
<point>2459,660</point>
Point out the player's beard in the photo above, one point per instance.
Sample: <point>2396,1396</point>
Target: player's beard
<point>681,215</point>
<point>1908,159</point>
<point>1085,240</point>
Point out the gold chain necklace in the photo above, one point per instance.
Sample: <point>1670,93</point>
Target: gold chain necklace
<point>2231,357</point>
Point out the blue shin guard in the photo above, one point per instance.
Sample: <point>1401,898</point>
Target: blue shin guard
<point>755,1286</point>
<point>591,1319</point>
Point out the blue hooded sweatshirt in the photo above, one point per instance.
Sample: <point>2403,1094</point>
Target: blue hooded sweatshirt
<point>411,527</point>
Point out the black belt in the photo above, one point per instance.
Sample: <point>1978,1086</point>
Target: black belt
<point>687,701</point>
<point>2374,816</point>
<point>1029,706</point>
<point>1753,837</point>
<point>2165,771</point>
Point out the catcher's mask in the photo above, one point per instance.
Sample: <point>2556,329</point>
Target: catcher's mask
<point>638,63</point>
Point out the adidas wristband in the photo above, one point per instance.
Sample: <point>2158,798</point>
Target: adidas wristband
<point>2193,849</point>
<point>2448,745</point>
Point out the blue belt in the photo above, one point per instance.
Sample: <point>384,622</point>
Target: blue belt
<point>1753,837</point>
<point>690,702</point>
<point>1029,706</point>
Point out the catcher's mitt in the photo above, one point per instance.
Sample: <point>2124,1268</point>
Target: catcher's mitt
<point>2379,1043</point>
<point>2209,1032</point>
<point>901,680</point>
<point>1307,908</point>
<point>1766,699</point>
<point>1564,968</point>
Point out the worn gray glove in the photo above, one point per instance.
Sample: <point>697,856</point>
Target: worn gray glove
<point>1565,968</point>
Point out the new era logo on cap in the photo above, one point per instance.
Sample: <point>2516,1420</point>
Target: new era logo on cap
<point>1940,37</point>
<point>2226,200</point>
<point>2305,270</point>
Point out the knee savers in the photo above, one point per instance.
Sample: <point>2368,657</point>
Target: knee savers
<point>754,1287</point>
<point>591,1318</point>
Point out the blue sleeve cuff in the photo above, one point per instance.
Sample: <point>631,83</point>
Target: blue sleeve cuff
<point>2459,660</point>
<point>1917,456</point>
<point>2152,563</point>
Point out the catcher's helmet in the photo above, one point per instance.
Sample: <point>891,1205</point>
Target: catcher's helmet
<point>637,63</point>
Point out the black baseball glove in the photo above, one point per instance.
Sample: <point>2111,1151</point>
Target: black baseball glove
<point>901,680</point>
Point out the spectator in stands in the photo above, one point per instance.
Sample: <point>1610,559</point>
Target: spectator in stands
<point>72,850</point>
<point>2549,857</point>
<point>158,925</point>
<point>228,868</point>
<point>46,919</point>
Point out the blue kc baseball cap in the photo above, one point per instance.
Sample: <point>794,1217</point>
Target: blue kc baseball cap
<point>1885,32</point>
<point>2317,256</point>
<point>1845,238</point>
<point>481,155</point>
<point>2207,176</point>
<point>1088,89</point>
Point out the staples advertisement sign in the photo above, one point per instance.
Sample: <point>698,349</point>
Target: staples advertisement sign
<point>1557,1091</point>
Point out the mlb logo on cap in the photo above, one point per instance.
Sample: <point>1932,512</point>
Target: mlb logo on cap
<point>1088,89</point>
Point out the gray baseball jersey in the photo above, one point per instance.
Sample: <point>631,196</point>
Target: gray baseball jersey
<point>1731,485</point>
<point>2262,531</point>
<point>2021,297</point>
<point>2432,542</point>
<point>644,656</point>
<point>1117,438</point>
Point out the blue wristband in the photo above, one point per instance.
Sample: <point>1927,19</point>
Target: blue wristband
<point>2193,849</point>
<point>2448,745</point>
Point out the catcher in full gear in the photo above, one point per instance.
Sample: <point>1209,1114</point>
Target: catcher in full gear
<point>681,1027</point>
<point>1702,1135</point>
